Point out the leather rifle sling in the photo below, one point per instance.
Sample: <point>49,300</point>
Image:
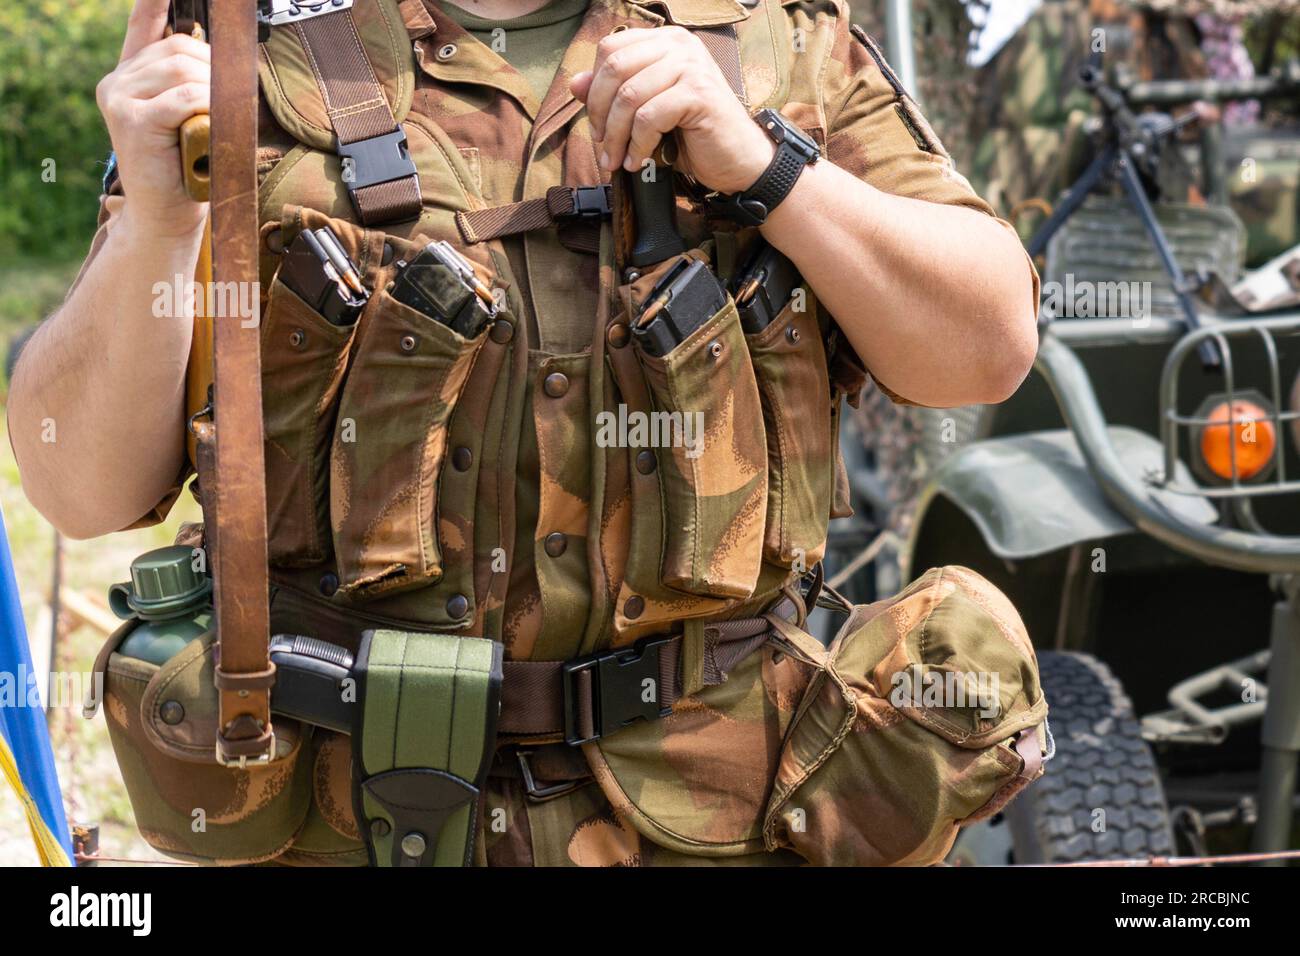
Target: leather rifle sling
<point>244,671</point>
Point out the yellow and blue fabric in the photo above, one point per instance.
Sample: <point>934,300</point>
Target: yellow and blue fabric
<point>26,760</point>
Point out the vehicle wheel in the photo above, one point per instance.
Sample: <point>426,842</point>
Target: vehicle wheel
<point>1102,765</point>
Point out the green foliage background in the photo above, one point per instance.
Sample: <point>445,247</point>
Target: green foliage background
<point>52,54</point>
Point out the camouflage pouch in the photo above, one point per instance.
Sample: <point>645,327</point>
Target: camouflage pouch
<point>304,358</point>
<point>847,755</point>
<point>162,722</point>
<point>925,714</point>
<point>698,781</point>
<point>714,472</point>
<point>790,367</point>
<point>390,447</point>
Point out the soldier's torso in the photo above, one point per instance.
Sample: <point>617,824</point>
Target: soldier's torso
<point>466,485</point>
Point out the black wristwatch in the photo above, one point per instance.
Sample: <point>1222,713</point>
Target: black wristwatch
<point>794,150</point>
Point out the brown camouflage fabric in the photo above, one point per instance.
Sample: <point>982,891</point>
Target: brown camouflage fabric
<point>459,486</point>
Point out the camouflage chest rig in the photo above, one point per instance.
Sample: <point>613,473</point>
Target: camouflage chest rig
<point>710,720</point>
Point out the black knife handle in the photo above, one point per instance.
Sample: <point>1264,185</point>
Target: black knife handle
<point>654,204</point>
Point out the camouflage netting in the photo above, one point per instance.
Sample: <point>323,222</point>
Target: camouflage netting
<point>945,31</point>
<point>1016,128</point>
<point>1221,8</point>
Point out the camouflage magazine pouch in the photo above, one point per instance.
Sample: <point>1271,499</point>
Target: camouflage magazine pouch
<point>162,721</point>
<point>304,359</point>
<point>712,459</point>
<point>790,366</point>
<point>390,446</point>
<point>925,715</point>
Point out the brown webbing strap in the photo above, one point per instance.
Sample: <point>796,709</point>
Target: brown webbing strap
<point>532,692</point>
<point>723,45</point>
<point>358,111</point>
<point>244,668</point>
<point>557,208</point>
<point>511,219</point>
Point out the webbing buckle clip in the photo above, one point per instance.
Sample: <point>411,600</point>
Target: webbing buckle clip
<point>625,686</point>
<point>380,159</point>
<point>591,202</point>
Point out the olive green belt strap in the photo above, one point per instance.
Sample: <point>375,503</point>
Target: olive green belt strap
<point>424,743</point>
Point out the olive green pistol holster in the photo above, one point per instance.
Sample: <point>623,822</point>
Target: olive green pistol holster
<point>423,743</point>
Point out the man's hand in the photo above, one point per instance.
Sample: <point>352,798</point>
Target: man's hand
<point>647,83</point>
<point>158,85</point>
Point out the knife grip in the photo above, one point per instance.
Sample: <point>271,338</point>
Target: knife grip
<point>654,204</point>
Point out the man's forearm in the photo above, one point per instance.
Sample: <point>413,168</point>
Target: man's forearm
<point>98,398</point>
<point>936,299</point>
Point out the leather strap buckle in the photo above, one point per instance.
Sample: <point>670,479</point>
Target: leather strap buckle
<point>619,686</point>
<point>240,752</point>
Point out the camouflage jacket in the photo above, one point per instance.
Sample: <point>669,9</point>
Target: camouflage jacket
<point>518,525</point>
<point>419,478</point>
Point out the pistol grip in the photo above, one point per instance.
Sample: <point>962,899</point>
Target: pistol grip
<point>654,204</point>
<point>196,142</point>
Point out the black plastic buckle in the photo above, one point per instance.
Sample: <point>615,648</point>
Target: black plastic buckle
<point>380,159</point>
<point>591,202</point>
<point>617,689</point>
<point>738,208</point>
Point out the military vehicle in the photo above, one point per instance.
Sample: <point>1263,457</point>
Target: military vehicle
<point>1136,499</point>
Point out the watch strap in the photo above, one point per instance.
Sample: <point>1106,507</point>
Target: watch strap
<point>755,204</point>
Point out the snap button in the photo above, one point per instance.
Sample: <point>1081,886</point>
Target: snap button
<point>297,338</point>
<point>408,343</point>
<point>634,607</point>
<point>462,458</point>
<point>503,330</point>
<point>413,845</point>
<point>380,828</point>
<point>172,712</point>
<point>715,349</point>
<point>457,606</point>
<point>556,384</point>
<point>618,335</point>
<point>792,334</point>
<point>556,543</point>
<point>329,583</point>
<point>646,462</point>
<point>446,51</point>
